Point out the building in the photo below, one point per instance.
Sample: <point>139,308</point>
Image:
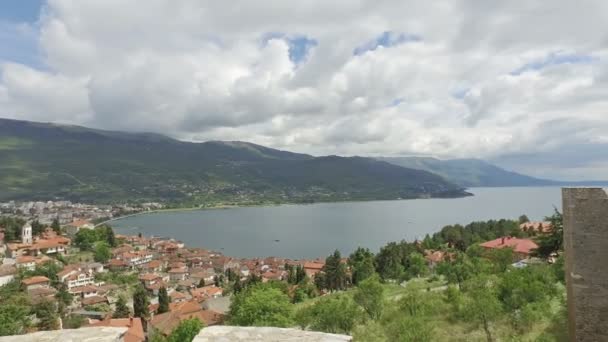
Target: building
<point>522,248</point>
<point>26,234</point>
<point>7,274</point>
<point>73,228</point>
<point>536,227</point>
<point>165,323</point>
<point>312,268</point>
<point>36,282</point>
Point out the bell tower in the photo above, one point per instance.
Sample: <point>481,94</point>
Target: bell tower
<point>26,234</point>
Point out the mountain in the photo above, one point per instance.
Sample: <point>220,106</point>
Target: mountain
<point>470,172</point>
<point>47,161</point>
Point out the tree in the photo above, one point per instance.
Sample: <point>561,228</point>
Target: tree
<point>523,219</point>
<point>370,296</point>
<point>362,264</point>
<point>121,310</point>
<point>13,318</point>
<point>501,258</point>
<point>201,283</point>
<point>482,308</point>
<point>110,237</point>
<point>46,312</point>
<point>141,303</point>
<point>410,329</point>
<point>163,300</point>
<point>37,228</point>
<point>56,226</point>
<point>552,242</point>
<point>261,305</point>
<point>335,272</point>
<point>336,314</point>
<point>85,238</point>
<point>102,252</point>
<point>63,296</point>
<point>416,265</point>
<point>186,331</point>
<point>390,260</point>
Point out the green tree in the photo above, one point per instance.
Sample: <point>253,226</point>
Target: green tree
<point>102,252</point>
<point>482,308</point>
<point>415,329</point>
<point>46,312</point>
<point>13,318</point>
<point>73,321</point>
<point>552,242</point>
<point>416,265</point>
<point>56,226</point>
<point>121,310</point>
<point>37,228</point>
<point>85,239</point>
<point>335,272</point>
<point>523,219</point>
<point>501,258</point>
<point>336,314</point>
<point>186,331</point>
<point>63,296</point>
<point>261,305</point>
<point>201,283</point>
<point>110,237</point>
<point>370,296</point>
<point>361,262</point>
<point>163,300</point>
<point>141,303</point>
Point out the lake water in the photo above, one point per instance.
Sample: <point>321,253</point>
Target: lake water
<point>315,230</point>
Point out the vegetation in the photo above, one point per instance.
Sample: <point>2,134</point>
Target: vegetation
<point>163,301</point>
<point>87,165</point>
<point>473,295</point>
<point>87,239</point>
<point>263,304</point>
<point>121,309</point>
<point>186,331</point>
<point>141,303</point>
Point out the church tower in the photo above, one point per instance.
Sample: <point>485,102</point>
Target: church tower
<point>26,234</point>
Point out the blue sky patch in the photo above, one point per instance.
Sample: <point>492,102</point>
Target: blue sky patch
<point>554,59</point>
<point>299,45</point>
<point>386,39</point>
<point>20,10</point>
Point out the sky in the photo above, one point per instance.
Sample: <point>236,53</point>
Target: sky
<point>523,84</point>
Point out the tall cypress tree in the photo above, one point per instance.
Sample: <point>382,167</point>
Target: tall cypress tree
<point>163,300</point>
<point>335,272</point>
<point>141,303</point>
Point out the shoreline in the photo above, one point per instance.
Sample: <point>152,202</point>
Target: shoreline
<point>237,206</point>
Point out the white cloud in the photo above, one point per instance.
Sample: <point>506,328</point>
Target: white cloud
<point>450,79</point>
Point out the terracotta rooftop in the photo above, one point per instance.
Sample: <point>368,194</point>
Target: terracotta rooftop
<point>35,280</point>
<point>524,246</point>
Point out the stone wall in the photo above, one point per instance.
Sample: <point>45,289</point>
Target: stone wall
<point>264,334</point>
<point>586,251</point>
<point>98,334</point>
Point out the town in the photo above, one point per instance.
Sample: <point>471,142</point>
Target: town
<point>77,274</point>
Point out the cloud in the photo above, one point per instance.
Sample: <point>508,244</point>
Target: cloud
<point>451,79</point>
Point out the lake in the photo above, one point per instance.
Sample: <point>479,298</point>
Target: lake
<point>315,230</point>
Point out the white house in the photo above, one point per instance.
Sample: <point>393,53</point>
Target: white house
<point>7,274</point>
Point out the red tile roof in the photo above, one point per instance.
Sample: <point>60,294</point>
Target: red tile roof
<point>523,246</point>
<point>35,280</point>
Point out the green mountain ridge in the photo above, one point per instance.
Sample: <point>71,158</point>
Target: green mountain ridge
<point>44,161</point>
<point>469,172</point>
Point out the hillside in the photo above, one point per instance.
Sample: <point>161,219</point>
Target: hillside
<point>44,161</point>
<point>469,172</point>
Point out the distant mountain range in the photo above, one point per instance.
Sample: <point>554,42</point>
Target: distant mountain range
<point>477,173</point>
<point>44,161</point>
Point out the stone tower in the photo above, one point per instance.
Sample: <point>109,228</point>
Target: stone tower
<point>586,248</point>
<point>26,234</point>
